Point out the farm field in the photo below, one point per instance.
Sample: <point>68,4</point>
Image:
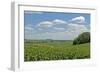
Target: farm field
<point>40,50</point>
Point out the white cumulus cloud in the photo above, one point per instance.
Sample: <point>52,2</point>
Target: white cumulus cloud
<point>79,19</point>
<point>45,24</point>
<point>58,21</point>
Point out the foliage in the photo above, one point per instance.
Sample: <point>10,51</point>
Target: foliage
<point>82,38</point>
<point>55,50</point>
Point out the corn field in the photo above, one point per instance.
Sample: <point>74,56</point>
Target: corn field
<point>55,50</point>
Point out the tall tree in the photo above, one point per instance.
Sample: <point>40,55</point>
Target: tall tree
<point>82,38</point>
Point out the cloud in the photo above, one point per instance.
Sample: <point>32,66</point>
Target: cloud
<point>58,21</point>
<point>69,33</point>
<point>29,27</point>
<point>29,31</point>
<point>76,29</point>
<point>45,24</point>
<point>79,19</point>
<point>58,29</point>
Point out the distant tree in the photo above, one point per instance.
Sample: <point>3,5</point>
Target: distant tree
<point>82,38</point>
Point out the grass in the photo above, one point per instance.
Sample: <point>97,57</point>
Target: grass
<point>55,50</point>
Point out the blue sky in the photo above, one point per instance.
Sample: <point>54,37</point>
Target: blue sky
<point>55,25</point>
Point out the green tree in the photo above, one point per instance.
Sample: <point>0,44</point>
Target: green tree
<point>82,38</point>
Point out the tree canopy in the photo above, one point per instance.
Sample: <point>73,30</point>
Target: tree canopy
<point>82,38</point>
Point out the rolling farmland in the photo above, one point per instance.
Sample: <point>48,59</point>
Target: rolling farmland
<point>40,50</point>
